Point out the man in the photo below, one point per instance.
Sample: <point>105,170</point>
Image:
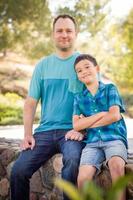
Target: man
<point>50,83</point>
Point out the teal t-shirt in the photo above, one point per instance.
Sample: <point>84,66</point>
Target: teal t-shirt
<point>52,82</point>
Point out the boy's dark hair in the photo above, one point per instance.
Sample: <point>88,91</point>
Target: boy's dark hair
<point>64,16</point>
<point>85,57</point>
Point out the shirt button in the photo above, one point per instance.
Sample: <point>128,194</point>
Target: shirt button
<point>95,110</point>
<point>99,131</point>
<point>93,100</point>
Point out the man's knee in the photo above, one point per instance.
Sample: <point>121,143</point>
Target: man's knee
<point>71,162</point>
<point>20,171</point>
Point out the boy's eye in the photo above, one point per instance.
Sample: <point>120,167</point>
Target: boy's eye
<point>87,67</point>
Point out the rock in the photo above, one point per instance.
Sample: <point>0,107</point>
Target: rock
<point>7,156</point>
<point>4,187</point>
<point>42,185</point>
<point>33,196</point>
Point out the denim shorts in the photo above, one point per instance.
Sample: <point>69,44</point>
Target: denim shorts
<point>96,153</point>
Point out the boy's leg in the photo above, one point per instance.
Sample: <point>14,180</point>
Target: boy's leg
<point>91,161</point>
<point>86,173</point>
<point>28,162</point>
<point>116,156</point>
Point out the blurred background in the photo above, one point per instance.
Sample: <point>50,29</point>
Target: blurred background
<point>105,31</point>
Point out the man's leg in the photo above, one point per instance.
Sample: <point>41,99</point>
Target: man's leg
<point>28,162</point>
<point>71,151</point>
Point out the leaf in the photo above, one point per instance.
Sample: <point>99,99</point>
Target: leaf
<point>91,191</point>
<point>120,184</point>
<point>69,189</point>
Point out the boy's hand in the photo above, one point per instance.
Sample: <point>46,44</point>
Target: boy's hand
<point>74,135</point>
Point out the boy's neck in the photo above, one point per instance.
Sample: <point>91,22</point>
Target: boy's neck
<point>93,87</point>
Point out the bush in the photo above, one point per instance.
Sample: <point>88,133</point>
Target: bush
<point>128,100</point>
<point>10,115</point>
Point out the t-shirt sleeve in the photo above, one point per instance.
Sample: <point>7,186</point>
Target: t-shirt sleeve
<point>35,83</point>
<point>115,98</point>
<point>76,109</point>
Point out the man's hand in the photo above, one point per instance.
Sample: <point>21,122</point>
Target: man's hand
<point>28,143</point>
<point>74,135</point>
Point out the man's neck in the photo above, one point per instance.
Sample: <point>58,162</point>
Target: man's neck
<point>64,54</point>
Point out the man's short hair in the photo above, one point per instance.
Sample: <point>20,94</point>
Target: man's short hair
<point>64,16</point>
<point>85,57</point>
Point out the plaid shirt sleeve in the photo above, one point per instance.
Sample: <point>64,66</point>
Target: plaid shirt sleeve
<point>76,109</point>
<point>115,98</point>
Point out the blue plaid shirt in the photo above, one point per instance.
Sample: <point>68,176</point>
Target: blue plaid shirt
<point>87,104</point>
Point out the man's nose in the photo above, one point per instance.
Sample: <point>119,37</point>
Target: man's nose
<point>64,34</point>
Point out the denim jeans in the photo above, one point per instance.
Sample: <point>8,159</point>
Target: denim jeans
<point>47,143</point>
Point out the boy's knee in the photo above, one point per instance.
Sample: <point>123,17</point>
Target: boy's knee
<point>86,173</point>
<point>116,165</point>
<point>82,178</point>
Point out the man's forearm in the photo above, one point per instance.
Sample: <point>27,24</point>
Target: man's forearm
<point>28,117</point>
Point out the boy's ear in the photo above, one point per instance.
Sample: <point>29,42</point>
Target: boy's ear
<point>98,68</point>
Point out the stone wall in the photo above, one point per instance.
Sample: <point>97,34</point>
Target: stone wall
<point>42,187</point>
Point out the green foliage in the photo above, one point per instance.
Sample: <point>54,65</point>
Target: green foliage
<point>92,192</point>
<point>88,14</point>
<point>24,22</point>
<point>10,115</point>
<point>128,100</point>
<point>121,48</point>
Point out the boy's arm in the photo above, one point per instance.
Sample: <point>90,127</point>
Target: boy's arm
<point>111,116</point>
<point>86,122</point>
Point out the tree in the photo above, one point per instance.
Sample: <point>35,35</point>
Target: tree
<point>121,51</point>
<point>26,22</point>
<point>89,15</point>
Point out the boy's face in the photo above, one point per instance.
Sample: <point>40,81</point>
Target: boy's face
<point>86,71</point>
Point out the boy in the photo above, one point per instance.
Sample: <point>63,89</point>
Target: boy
<point>97,109</point>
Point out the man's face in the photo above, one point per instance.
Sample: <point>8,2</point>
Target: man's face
<point>64,34</point>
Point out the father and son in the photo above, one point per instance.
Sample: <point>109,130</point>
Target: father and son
<point>86,126</point>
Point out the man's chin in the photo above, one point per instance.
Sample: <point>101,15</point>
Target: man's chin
<point>65,49</point>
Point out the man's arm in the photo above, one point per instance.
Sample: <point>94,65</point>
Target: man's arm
<point>86,122</point>
<point>111,116</point>
<point>28,117</point>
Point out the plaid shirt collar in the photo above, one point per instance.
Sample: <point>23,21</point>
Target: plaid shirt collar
<point>100,88</point>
